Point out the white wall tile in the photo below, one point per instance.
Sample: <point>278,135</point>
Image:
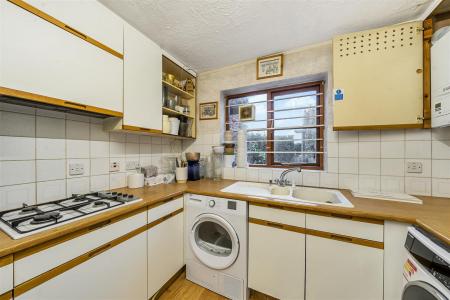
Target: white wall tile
<point>441,187</point>
<point>52,128</point>
<point>77,130</point>
<point>99,183</point>
<point>77,148</point>
<point>17,148</point>
<point>240,173</point>
<point>333,165</point>
<point>50,148</point>
<point>393,184</point>
<point>369,149</point>
<point>86,164</point>
<point>392,135</point>
<point>17,108</point>
<point>145,149</point>
<point>369,166</point>
<point>228,173</point>
<point>348,136</point>
<point>418,186</point>
<point>117,137</point>
<point>117,149</point>
<point>392,167</point>
<point>417,149</point>
<point>117,180</point>
<point>311,178</point>
<point>329,180</point>
<point>132,138</point>
<point>348,165</point>
<point>99,166</point>
<point>98,134</point>
<point>15,195</point>
<point>78,118</point>
<point>50,169</point>
<point>440,134</point>
<point>393,149</point>
<point>348,181</point>
<point>15,124</point>
<point>131,149</point>
<point>51,114</point>
<point>265,174</point>
<point>369,136</point>
<point>17,172</point>
<point>348,149</point>
<point>440,149</point>
<point>99,149</point>
<point>78,186</point>
<point>370,183</point>
<point>253,174</point>
<point>441,168</point>
<point>51,190</point>
<point>333,149</point>
<point>418,134</point>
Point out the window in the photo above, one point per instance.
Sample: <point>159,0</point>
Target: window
<point>287,128</point>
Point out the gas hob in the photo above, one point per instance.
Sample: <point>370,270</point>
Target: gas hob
<point>31,219</point>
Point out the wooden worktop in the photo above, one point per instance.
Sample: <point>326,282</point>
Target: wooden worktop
<point>433,215</point>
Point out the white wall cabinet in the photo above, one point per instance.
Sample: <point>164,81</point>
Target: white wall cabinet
<point>276,262</point>
<point>142,81</point>
<point>165,252</point>
<point>117,273</point>
<point>342,271</point>
<point>41,58</point>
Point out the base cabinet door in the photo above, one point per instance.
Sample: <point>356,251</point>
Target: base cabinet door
<point>117,273</point>
<point>342,271</point>
<point>165,252</point>
<point>276,262</point>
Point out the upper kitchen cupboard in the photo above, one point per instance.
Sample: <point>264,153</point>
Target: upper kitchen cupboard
<point>378,78</point>
<point>45,60</point>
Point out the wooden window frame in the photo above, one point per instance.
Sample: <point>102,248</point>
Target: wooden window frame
<point>320,112</point>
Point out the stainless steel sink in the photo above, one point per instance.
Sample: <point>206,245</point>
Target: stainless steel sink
<point>304,195</point>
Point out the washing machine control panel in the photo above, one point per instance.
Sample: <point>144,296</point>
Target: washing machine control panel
<point>212,203</point>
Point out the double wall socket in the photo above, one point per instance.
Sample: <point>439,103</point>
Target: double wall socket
<point>414,167</point>
<point>132,165</point>
<point>114,166</point>
<point>76,169</point>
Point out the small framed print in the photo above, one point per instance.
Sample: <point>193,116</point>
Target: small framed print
<point>269,66</point>
<point>208,111</point>
<point>247,113</point>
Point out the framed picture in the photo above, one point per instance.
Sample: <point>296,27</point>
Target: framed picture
<point>208,111</point>
<point>247,113</point>
<point>269,66</point>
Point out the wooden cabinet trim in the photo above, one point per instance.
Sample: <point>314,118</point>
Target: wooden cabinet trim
<point>323,234</point>
<point>162,219</point>
<point>38,248</point>
<point>37,12</point>
<point>427,35</point>
<point>346,217</point>
<point>40,279</point>
<point>141,129</point>
<point>279,206</point>
<point>26,96</point>
<point>6,296</point>
<point>6,260</point>
<point>377,127</point>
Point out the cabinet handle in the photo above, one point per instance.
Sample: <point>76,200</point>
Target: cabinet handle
<point>143,129</point>
<point>99,250</point>
<point>341,238</point>
<point>341,216</point>
<point>75,104</point>
<point>275,225</point>
<point>76,32</point>
<point>99,225</point>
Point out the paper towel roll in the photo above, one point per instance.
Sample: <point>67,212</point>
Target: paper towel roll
<point>135,180</point>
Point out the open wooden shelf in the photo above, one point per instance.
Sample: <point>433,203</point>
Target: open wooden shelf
<point>174,113</point>
<point>177,91</point>
<point>178,136</point>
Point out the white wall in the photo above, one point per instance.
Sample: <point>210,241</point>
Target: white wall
<point>37,146</point>
<point>358,160</point>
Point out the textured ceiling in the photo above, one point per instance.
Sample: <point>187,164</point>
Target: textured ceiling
<point>208,34</point>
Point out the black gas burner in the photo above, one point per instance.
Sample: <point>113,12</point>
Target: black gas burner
<point>46,217</point>
<point>78,198</point>
<point>100,203</point>
<point>26,209</point>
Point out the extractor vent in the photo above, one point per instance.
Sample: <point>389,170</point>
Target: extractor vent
<point>373,41</point>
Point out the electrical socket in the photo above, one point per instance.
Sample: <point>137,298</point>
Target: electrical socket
<point>114,166</point>
<point>132,165</point>
<point>414,167</point>
<point>76,169</point>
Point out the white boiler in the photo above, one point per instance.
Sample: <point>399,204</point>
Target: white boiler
<point>440,78</point>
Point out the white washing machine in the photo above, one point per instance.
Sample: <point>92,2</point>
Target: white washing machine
<point>426,271</point>
<point>216,244</point>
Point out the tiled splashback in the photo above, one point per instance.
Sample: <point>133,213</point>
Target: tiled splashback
<point>37,146</point>
<point>364,160</point>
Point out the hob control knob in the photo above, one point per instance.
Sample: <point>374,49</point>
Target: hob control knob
<point>212,203</point>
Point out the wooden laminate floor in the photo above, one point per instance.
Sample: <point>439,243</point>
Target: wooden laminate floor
<point>183,289</point>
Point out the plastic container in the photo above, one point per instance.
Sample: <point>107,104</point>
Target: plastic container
<point>217,162</point>
<point>166,124</point>
<point>174,126</point>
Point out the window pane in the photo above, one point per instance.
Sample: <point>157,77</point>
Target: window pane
<point>295,140</point>
<point>257,143</point>
<point>260,112</point>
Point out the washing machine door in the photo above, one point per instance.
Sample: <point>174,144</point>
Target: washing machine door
<point>214,241</point>
<point>420,290</point>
